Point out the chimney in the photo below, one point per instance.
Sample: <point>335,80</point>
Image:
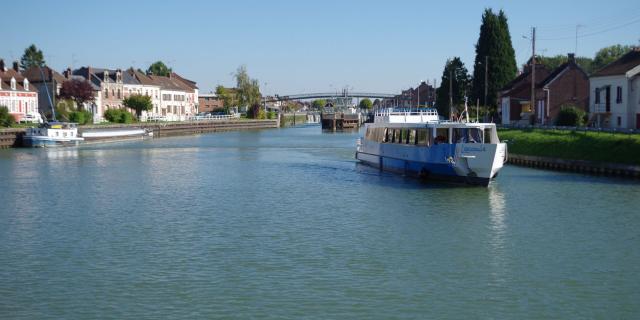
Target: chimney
<point>89,72</point>
<point>67,73</point>
<point>170,75</point>
<point>16,67</point>
<point>572,58</point>
<point>1,65</point>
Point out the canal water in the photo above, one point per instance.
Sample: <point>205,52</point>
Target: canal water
<point>284,223</point>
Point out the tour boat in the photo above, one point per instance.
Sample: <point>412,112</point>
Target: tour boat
<point>52,134</point>
<point>418,143</point>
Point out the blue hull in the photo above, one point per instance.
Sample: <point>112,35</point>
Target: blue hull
<point>41,143</point>
<point>422,170</point>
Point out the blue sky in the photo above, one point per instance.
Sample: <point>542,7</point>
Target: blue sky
<point>302,46</point>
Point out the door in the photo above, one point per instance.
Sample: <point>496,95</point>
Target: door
<point>638,121</point>
<point>607,99</point>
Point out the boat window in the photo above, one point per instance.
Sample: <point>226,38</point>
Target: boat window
<point>386,135</point>
<point>367,134</point>
<point>423,137</point>
<point>412,136</point>
<point>475,135</point>
<point>442,136</point>
<point>403,136</point>
<point>396,136</point>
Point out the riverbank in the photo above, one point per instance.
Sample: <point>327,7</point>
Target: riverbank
<point>593,152</point>
<point>11,137</point>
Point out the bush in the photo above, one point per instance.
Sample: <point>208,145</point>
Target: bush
<point>271,115</point>
<point>6,119</point>
<point>570,116</point>
<point>118,116</point>
<point>80,117</point>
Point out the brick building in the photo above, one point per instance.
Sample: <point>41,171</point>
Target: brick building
<point>209,102</point>
<point>16,93</point>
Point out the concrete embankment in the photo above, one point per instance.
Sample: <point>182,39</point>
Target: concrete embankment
<point>589,167</point>
<point>12,137</point>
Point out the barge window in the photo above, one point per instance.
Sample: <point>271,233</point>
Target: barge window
<point>423,137</point>
<point>386,135</point>
<point>396,136</point>
<point>467,135</point>
<point>412,137</point>
<point>442,135</point>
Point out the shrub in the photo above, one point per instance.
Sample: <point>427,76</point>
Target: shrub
<point>6,119</point>
<point>570,116</point>
<point>113,115</point>
<point>118,116</point>
<point>271,115</point>
<point>80,117</point>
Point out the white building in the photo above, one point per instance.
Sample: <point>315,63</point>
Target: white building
<point>614,101</point>
<point>16,93</point>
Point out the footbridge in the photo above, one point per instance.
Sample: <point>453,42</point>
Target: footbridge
<point>305,96</point>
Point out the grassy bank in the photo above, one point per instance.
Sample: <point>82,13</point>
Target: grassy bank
<point>565,144</point>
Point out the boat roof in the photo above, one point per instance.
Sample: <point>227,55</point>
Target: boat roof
<point>419,117</point>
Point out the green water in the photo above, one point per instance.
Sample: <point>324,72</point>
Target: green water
<point>284,223</point>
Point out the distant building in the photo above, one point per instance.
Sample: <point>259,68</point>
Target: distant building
<point>208,102</point>
<point>48,83</point>
<point>16,93</point>
<point>173,97</point>
<point>615,93</point>
<point>515,96</point>
<point>567,85</point>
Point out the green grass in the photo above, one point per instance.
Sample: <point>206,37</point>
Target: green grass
<point>565,144</point>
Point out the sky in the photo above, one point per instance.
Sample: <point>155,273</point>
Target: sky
<point>295,47</point>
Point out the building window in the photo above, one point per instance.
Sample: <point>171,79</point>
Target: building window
<point>106,93</point>
<point>119,96</point>
<point>619,95</point>
<point>619,121</point>
<point>13,83</point>
<point>597,95</point>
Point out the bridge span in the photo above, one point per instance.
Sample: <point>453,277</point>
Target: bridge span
<point>343,94</point>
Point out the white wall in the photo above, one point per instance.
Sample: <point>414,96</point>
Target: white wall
<point>618,110</point>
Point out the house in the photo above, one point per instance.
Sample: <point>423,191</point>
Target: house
<point>16,93</point>
<point>567,85</point>
<point>48,83</point>
<point>209,102</point>
<point>173,97</point>
<point>615,93</point>
<point>515,96</point>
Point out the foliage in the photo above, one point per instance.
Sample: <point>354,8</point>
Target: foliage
<point>138,103</point>
<point>6,119</point>
<point>570,116</point>
<point>460,84</point>
<point>271,115</point>
<point>609,54</point>
<point>32,57</point>
<point>63,108</point>
<point>77,90</point>
<point>290,106</point>
<point>567,144</point>
<point>118,116</point>
<point>555,61</point>
<point>248,88</point>
<point>318,104</point>
<point>228,98</point>
<point>494,42</point>
<point>365,104</point>
<point>158,68</point>
<point>80,117</point>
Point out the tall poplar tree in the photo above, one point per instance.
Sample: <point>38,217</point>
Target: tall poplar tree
<point>494,42</point>
<point>32,57</point>
<point>459,84</point>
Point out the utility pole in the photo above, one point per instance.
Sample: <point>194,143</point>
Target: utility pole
<point>486,79</point>
<point>533,69</point>
<point>450,94</point>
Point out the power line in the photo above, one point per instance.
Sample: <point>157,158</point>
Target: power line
<point>595,32</point>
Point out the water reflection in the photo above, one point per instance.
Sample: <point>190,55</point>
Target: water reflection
<point>497,237</point>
